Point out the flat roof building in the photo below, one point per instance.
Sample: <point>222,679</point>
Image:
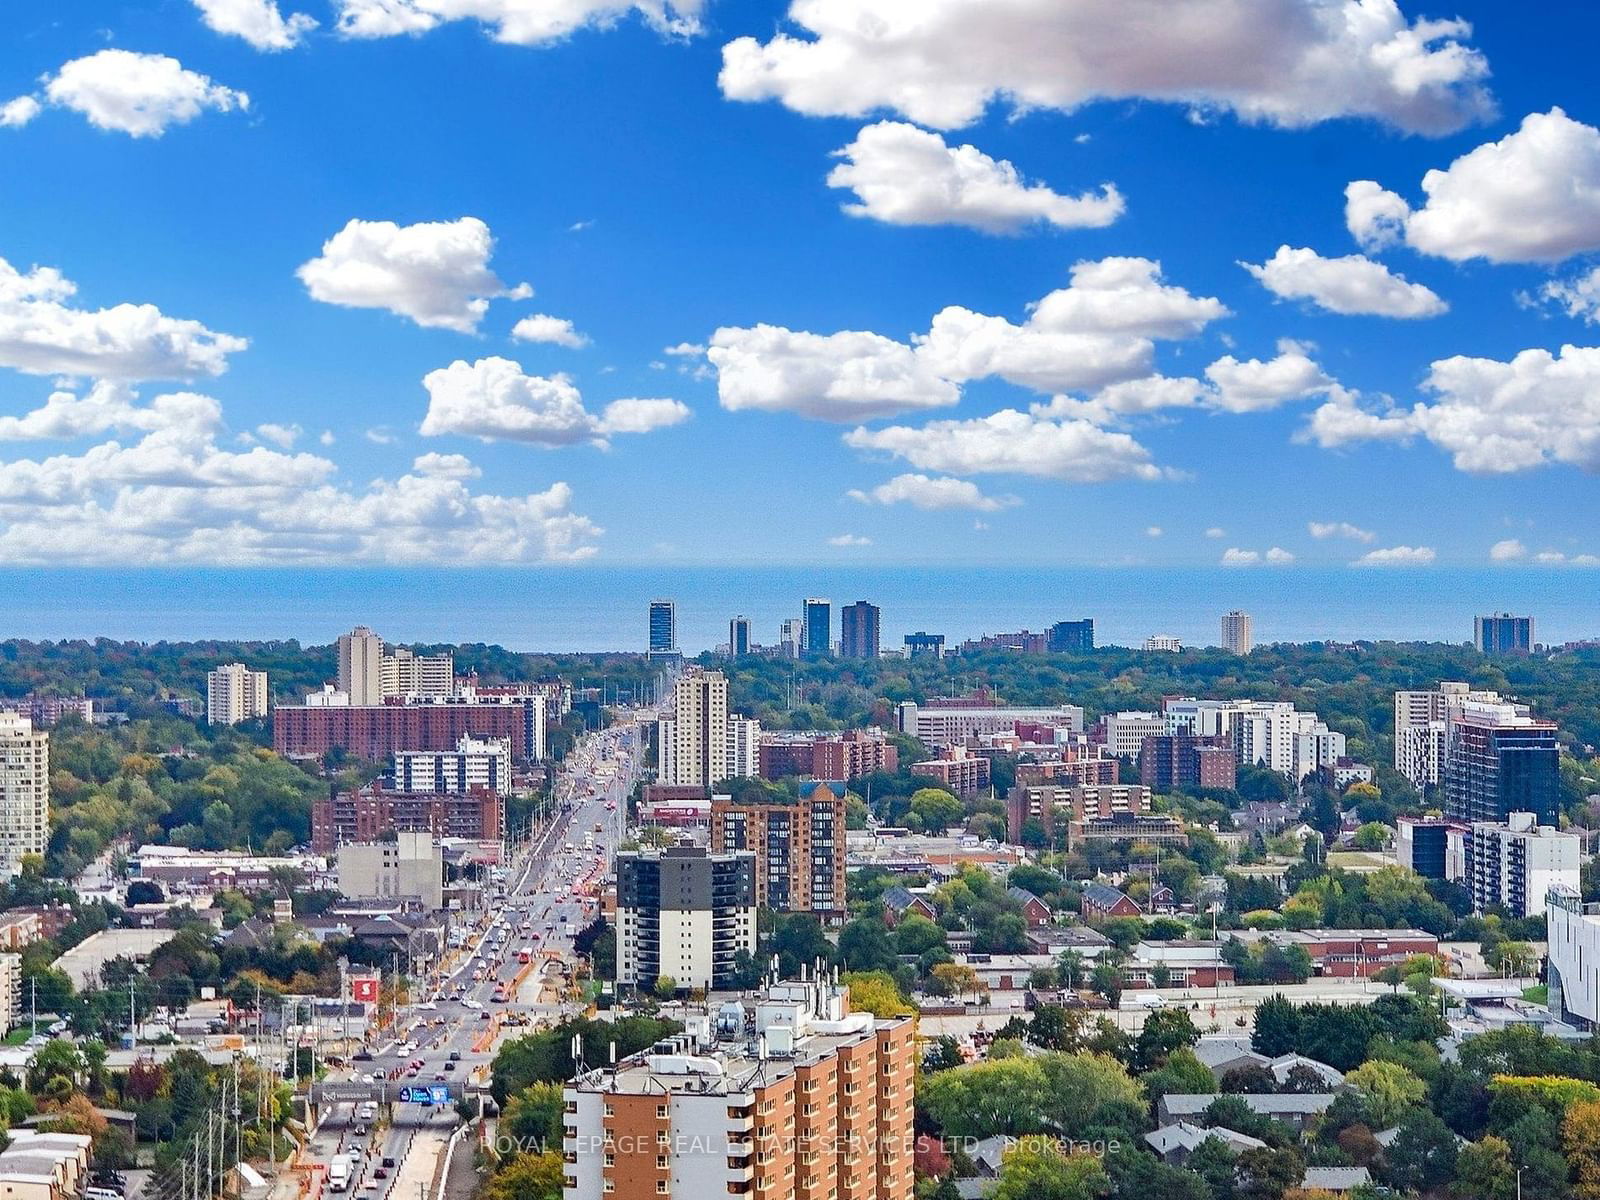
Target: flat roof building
<point>791,1096</point>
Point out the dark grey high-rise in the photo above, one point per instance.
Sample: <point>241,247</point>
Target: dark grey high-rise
<point>1071,637</point>
<point>1495,766</point>
<point>739,637</point>
<point>685,914</point>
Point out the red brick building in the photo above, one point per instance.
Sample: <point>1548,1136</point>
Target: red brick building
<point>1361,953</point>
<point>955,770</point>
<point>1087,769</point>
<point>1183,762</point>
<point>845,756</point>
<point>365,815</point>
<point>1101,900</point>
<point>374,732</point>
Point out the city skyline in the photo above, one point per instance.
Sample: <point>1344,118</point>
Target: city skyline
<point>500,307</point>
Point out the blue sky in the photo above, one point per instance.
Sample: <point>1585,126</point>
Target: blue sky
<point>360,210</point>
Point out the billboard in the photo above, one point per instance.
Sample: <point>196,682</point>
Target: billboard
<point>364,989</point>
<point>438,1093</point>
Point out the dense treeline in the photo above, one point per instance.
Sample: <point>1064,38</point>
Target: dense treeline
<point>164,779</point>
<point>131,674</point>
<point>1351,687</point>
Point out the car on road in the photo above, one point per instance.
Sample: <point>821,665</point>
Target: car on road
<point>361,1131</point>
<point>455,1056</point>
<point>439,1078</point>
<point>353,1152</point>
<point>387,1161</point>
<point>380,1173</point>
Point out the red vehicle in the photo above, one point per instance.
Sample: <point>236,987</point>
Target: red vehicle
<point>525,955</point>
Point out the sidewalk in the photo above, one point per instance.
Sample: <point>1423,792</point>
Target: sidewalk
<point>413,1179</point>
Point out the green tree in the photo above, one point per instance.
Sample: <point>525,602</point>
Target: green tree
<point>1389,1089</point>
<point>1423,1154</point>
<point>1277,1027</point>
<point>527,1177</point>
<point>1076,1085</point>
<point>1165,1030</point>
<point>1038,1170</point>
<point>936,809</point>
<point>864,945</point>
<point>1484,1170</point>
<point>985,1098</point>
<point>1265,1174</point>
<point>1182,1073</point>
<point>532,1118</point>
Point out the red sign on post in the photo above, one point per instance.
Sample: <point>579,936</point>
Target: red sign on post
<point>364,989</point>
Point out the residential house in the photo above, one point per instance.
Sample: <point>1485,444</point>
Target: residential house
<point>1174,1143</point>
<point>1034,910</point>
<point>1296,1110</point>
<point>898,901</point>
<point>1101,901</point>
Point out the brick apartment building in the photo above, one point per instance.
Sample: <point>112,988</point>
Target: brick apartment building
<point>367,814</point>
<point>799,847</point>
<point>848,755</point>
<point>955,770</point>
<point>804,1100</point>
<point>1055,805</point>
<point>374,732</point>
<point>1184,762</point>
<point>1088,769</point>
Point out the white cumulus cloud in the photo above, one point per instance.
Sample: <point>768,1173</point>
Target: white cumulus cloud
<point>518,22</point>
<point>1254,385</point>
<point>138,94</point>
<point>1578,297</point>
<point>555,331</point>
<point>1013,442</point>
<point>446,466</point>
<point>1290,63</point>
<point>16,113</point>
<point>1098,331</point>
<point>1491,417</point>
<point>903,175</point>
<point>847,376</point>
<point>279,434</point>
<point>259,22</point>
<point>1397,556</point>
<point>1353,285</point>
<point>434,272</point>
<point>932,493</point>
<point>641,414</point>
<point>1532,196</point>
<point>172,494</point>
<point>493,399</point>
<point>849,539</point>
<point>1276,556</point>
<point>1507,550</point>
<point>1340,529</point>
<point>41,333</point>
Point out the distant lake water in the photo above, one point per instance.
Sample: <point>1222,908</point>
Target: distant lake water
<point>593,608</point>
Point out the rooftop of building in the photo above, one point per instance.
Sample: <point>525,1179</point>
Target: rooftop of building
<point>748,1044</point>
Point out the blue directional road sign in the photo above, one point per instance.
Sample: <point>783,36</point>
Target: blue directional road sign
<point>439,1094</point>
